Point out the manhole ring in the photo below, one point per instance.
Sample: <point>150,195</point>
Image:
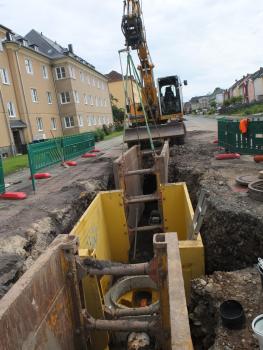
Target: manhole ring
<point>245,180</point>
<point>255,190</point>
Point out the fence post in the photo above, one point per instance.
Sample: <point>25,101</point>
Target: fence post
<point>2,178</point>
<point>31,167</point>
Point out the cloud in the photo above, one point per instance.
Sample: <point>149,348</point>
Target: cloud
<point>208,42</point>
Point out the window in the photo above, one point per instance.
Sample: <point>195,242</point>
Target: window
<point>11,109</point>
<point>53,124</point>
<point>91,100</point>
<point>89,120</point>
<point>98,84</point>
<point>81,74</point>
<point>94,82</point>
<point>88,79</point>
<point>101,102</point>
<point>102,86</point>
<point>94,120</point>
<point>34,95</point>
<point>1,44</point>
<point>45,72</point>
<point>72,72</point>
<point>29,66</point>
<point>60,73</point>
<point>76,96</point>
<point>85,99</point>
<point>69,122</point>
<point>80,120</point>
<point>96,101</point>
<point>105,102</point>
<point>64,97</point>
<point>4,76</point>
<point>49,98</point>
<point>40,124</point>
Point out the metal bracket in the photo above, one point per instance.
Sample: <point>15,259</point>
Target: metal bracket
<point>198,215</point>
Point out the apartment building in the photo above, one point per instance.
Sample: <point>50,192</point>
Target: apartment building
<point>46,91</point>
<point>115,82</point>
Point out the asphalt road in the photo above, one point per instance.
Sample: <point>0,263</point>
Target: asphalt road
<point>199,123</point>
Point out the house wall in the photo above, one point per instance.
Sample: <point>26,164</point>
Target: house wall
<point>220,99</point>
<point>96,110</point>
<point>251,91</point>
<point>258,85</point>
<point>117,91</point>
<point>7,94</point>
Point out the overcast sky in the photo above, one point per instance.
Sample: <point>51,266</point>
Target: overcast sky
<point>208,42</point>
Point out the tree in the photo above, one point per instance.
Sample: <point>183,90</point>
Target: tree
<point>118,113</point>
<point>213,104</point>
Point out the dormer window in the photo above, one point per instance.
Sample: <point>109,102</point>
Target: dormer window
<point>25,43</point>
<point>34,47</point>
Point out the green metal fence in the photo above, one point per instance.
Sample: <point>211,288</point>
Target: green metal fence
<point>75,145</point>
<point>2,179</point>
<point>44,154</point>
<point>230,137</point>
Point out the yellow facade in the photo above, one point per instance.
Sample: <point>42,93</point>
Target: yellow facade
<point>34,91</point>
<point>116,89</point>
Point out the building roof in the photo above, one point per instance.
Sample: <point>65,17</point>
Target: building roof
<point>46,47</point>
<point>5,28</point>
<point>52,49</point>
<point>116,76</point>
<point>257,74</point>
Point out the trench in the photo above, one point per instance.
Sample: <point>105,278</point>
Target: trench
<point>232,238</point>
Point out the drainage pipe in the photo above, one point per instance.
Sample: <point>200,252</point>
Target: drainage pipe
<point>119,325</point>
<point>140,311</point>
<point>103,267</point>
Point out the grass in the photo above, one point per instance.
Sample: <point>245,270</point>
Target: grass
<point>249,110</point>
<point>112,135</point>
<point>14,164</point>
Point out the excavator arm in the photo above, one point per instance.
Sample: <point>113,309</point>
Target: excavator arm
<point>134,32</point>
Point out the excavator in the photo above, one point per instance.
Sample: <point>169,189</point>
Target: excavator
<point>163,105</point>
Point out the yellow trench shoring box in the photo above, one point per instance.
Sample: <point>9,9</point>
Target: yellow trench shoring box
<point>103,234</point>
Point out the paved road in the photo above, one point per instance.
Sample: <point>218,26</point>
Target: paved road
<point>200,123</point>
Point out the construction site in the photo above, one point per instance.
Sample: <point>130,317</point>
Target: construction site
<point>152,240</point>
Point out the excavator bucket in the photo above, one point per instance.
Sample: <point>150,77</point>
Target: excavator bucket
<point>174,132</point>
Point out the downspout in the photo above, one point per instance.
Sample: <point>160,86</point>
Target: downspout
<point>24,96</point>
<point>13,149</point>
<point>57,99</point>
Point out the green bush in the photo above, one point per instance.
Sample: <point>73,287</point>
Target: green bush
<point>99,135</point>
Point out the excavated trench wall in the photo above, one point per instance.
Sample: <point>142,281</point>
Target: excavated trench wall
<point>231,231</point>
<point>20,252</point>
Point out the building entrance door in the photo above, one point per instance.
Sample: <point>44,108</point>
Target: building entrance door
<point>20,148</point>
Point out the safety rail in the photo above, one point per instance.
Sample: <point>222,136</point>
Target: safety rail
<point>231,138</point>
<point>47,153</point>
<point>75,145</point>
<point>2,178</point>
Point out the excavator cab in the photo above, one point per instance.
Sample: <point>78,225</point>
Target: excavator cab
<point>170,96</point>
